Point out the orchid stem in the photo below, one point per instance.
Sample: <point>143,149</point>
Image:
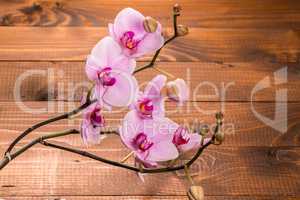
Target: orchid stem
<point>8,157</point>
<point>129,167</point>
<point>89,102</point>
<point>175,34</point>
<point>42,140</point>
<point>127,157</point>
<point>187,173</point>
<point>48,121</point>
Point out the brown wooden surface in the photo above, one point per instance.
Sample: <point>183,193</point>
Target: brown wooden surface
<point>236,43</point>
<point>236,79</point>
<point>196,13</point>
<point>201,44</point>
<point>242,127</point>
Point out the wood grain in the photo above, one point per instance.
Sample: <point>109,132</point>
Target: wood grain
<point>236,43</point>
<point>204,13</point>
<point>205,45</point>
<point>242,127</point>
<point>67,81</point>
<point>178,197</point>
<point>220,170</point>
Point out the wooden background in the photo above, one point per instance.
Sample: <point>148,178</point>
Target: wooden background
<point>238,42</point>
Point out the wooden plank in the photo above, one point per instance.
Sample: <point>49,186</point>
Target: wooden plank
<point>242,127</point>
<point>205,45</point>
<point>205,13</point>
<point>208,81</point>
<point>220,170</point>
<point>233,197</point>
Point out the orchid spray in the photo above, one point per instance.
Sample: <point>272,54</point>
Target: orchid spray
<point>155,141</point>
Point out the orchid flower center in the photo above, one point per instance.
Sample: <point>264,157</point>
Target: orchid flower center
<point>128,40</point>
<point>96,117</point>
<point>142,142</point>
<point>181,136</point>
<point>146,107</point>
<point>106,77</point>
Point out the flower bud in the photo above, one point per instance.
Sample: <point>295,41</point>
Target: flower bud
<point>150,24</point>
<point>182,30</point>
<point>219,137</point>
<point>219,116</point>
<point>195,193</point>
<point>176,9</point>
<point>172,92</point>
<point>204,129</point>
<point>178,90</point>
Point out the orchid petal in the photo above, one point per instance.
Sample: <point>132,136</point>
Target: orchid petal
<point>150,43</point>
<point>124,64</point>
<point>162,151</point>
<point>91,68</point>
<point>129,19</point>
<point>193,143</point>
<point>159,108</point>
<point>131,125</point>
<point>106,51</point>
<point>159,126</point>
<point>123,92</point>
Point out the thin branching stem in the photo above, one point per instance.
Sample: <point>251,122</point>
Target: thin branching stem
<point>42,140</point>
<point>9,157</point>
<point>125,166</point>
<point>83,106</point>
<point>48,121</point>
<point>175,34</point>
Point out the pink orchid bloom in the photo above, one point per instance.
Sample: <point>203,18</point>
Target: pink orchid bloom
<point>178,91</point>
<point>91,124</point>
<point>185,141</point>
<point>112,73</point>
<point>149,139</point>
<point>150,103</point>
<point>128,30</point>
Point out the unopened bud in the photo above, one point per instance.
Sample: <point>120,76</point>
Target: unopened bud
<point>204,129</point>
<point>176,9</point>
<point>173,91</point>
<point>150,24</point>
<point>219,116</point>
<point>182,30</point>
<point>195,193</point>
<point>219,137</point>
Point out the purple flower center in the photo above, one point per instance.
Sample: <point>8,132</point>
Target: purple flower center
<point>96,117</point>
<point>106,77</point>
<point>181,136</point>
<point>128,40</point>
<point>145,107</point>
<point>141,142</point>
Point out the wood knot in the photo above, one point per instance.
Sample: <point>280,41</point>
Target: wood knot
<point>35,7</point>
<point>6,20</point>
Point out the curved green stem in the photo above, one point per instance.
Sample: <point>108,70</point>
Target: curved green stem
<point>48,121</point>
<point>175,34</point>
<point>9,157</point>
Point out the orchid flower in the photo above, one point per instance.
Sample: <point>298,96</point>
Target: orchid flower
<point>136,34</point>
<point>150,102</point>
<point>178,91</point>
<point>91,124</point>
<point>149,139</point>
<point>185,141</point>
<point>111,71</point>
